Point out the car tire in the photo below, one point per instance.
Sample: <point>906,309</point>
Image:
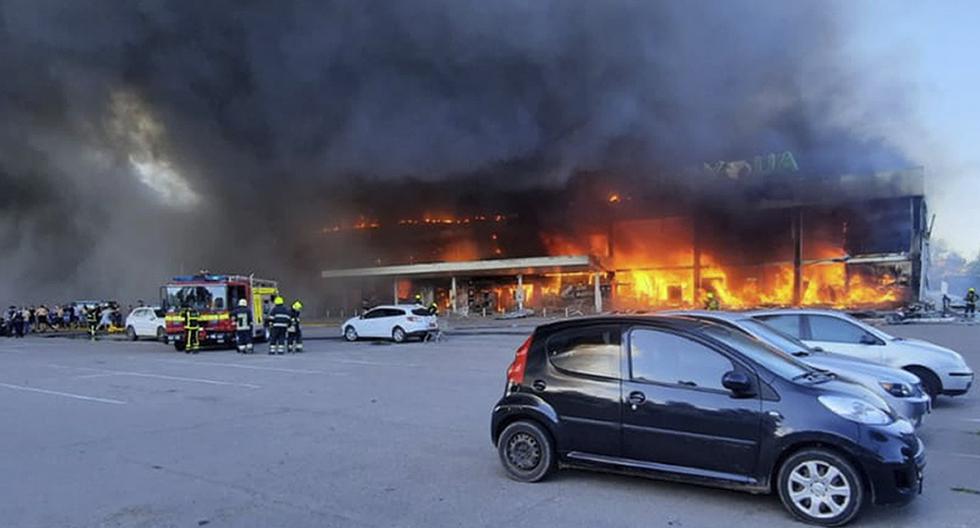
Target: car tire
<point>131,333</point>
<point>526,451</point>
<point>161,334</point>
<point>820,487</point>
<point>930,381</point>
<point>398,334</point>
<point>350,334</point>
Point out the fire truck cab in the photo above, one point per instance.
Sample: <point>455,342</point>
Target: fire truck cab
<point>214,297</point>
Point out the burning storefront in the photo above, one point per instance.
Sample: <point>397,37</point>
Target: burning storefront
<point>753,233</point>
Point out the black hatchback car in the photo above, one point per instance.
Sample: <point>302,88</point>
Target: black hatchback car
<point>686,400</point>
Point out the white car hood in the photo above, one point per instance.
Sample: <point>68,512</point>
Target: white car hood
<point>844,365</point>
<point>917,345</point>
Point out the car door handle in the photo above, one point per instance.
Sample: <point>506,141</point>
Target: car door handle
<point>539,385</point>
<point>636,398</point>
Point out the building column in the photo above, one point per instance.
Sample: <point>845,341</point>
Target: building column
<point>452,296</point>
<point>797,229</point>
<point>696,245</point>
<point>598,293</point>
<point>394,290</point>
<point>520,292</point>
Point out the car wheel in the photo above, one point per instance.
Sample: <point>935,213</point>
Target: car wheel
<point>398,335</point>
<point>350,334</point>
<point>161,335</point>
<point>930,381</point>
<point>526,452</point>
<point>820,487</point>
<point>131,333</point>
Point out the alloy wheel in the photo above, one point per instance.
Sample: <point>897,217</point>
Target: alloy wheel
<point>819,489</point>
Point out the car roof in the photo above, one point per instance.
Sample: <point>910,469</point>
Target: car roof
<point>719,315</point>
<point>796,311</point>
<point>398,306</point>
<point>676,322</point>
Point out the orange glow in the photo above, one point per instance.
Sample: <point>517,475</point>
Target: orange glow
<point>614,198</point>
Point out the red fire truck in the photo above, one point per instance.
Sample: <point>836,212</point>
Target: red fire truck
<point>213,297</point>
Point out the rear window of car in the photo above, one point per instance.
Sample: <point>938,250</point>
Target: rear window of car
<point>593,351</point>
<point>421,311</point>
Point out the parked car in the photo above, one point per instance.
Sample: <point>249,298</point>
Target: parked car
<point>686,400</point>
<point>901,389</point>
<point>146,322</point>
<point>941,370</point>
<point>396,322</point>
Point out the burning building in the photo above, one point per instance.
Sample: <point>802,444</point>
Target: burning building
<point>754,233</point>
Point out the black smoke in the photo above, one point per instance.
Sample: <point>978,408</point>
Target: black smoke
<point>274,114</point>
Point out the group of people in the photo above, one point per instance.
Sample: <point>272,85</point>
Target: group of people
<point>282,322</point>
<point>20,321</point>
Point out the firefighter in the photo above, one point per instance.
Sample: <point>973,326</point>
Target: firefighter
<point>192,330</point>
<point>294,334</point>
<point>92,320</point>
<point>433,308</point>
<point>243,327</point>
<point>418,299</point>
<point>711,301</point>
<point>971,303</point>
<point>279,319</point>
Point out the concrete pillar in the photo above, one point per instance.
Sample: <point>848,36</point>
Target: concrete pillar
<point>394,290</point>
<point>696,243</point>
<point>797,228</point>
<point>520,292</point>
<point>452,296</point>
<point>598,293</point>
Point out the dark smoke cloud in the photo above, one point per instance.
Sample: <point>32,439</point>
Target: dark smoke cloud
<point>271,113</point>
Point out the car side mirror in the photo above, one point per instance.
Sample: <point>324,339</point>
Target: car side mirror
<point>868,339</point>
<point>738,382</point>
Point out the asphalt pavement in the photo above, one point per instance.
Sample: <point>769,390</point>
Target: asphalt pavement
<point>119,434</point>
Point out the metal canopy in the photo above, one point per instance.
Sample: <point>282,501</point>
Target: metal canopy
<point>514,266</point>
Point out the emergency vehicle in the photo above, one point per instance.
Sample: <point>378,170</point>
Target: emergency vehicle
<point>214,297</point>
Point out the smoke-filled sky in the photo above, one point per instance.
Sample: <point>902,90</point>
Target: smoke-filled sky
<point>143,139</point>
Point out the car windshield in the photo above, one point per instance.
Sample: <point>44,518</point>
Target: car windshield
<point>201,298</point>
<point>773,337</point>
<point>780,363</point>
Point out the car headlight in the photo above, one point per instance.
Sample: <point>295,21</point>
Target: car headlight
<point>897,389</point>
<point>855,410</point>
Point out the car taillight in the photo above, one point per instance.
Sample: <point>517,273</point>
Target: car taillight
<point>414,319</point>
<point>515,372</point>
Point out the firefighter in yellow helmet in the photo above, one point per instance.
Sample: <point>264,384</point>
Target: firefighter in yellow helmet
<point>279,319</point>
<point>294,334</point>
<point>711,301</point>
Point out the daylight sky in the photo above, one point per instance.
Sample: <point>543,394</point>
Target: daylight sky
<point>935,44</point>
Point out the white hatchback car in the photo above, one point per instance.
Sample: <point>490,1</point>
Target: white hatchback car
<point>146,321</point>
<point>941,370</point>
<point>395,322</point>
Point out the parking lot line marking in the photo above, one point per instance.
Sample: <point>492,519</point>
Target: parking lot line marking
<point>373,363</point>
<point>164,377</point>
<point>65,394</point>
<point>236,365</point>
<point>966,455</point>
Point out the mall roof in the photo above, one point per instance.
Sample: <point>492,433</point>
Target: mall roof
<point>512,266</point>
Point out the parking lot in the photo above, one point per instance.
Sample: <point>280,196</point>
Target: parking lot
<point>119,434</point>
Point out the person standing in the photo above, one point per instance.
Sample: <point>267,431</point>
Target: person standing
<point>279,319</point>
<point>192,330</point>
<point>242,316</point>
<point>971,303</point>
<point>42,319</point>
<point>18,323</point>
<point>711,301</point>
<point>294,335</point>
<point>92,319</point>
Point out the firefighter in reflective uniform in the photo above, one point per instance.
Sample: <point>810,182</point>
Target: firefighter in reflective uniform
<point>242,316</point>
<point>92,320</point>
<point>192,330</point>
<point>418,299</point>
<point>294,334</point>
<point>279,318</point>
<point>971,303</point>
<point>711,301</point>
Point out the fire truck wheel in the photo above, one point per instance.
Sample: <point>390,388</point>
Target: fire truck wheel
<point>179,345</point>
<point>131,333</point>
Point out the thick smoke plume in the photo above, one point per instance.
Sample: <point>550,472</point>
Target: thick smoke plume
<point>143,139</point>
